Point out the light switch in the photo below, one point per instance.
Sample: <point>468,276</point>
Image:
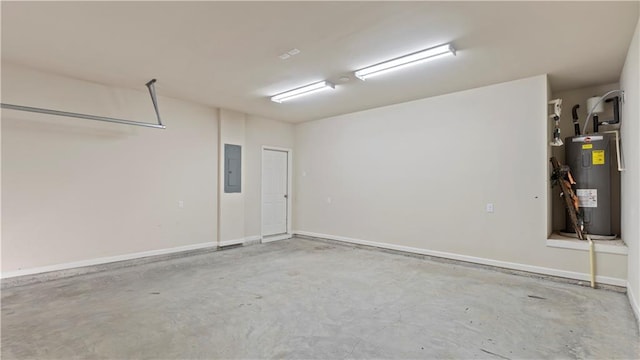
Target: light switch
<point>489,207</point>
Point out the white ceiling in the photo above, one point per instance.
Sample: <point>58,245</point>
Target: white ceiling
<point>225,54</point>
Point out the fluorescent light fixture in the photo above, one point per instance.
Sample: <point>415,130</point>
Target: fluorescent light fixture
<point>403,61</point>
<point>305,90</point>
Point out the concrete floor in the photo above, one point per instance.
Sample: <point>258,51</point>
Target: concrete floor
<point>309,299</point>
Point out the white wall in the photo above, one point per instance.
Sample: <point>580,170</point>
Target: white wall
<point>240,213</point>
<point>630,132</point>
<point>77,189</point>
<point>231,205</point>
<point>260,132</point>
<point>419,174</point>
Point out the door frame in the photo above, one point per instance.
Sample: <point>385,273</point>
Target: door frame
<point>288,234</point>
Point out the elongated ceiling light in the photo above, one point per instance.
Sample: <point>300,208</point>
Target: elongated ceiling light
<point>403,61</point>
<point>305,90</point>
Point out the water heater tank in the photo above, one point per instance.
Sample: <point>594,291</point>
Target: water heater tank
<point>589,158</point>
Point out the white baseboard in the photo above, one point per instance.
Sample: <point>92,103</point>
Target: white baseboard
<point>473,259</point>
<point>105,260</point>
<point>267,239</point>
<point>634,304</point>
<point>243,240</point>
<point>231,242</point>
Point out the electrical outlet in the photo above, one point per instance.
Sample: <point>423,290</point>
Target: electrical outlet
<point>489,207</point>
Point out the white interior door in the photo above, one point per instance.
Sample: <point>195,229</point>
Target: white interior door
<point>274,192</point>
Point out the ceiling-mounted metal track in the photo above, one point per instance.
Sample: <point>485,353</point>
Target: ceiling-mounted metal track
<point>152,92</point>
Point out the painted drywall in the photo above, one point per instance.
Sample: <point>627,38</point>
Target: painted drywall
<point>549,189</point>
<point>231,205</point>
<point>240,213</point>
<point>260,132</point>
<point>569,99</point>
<point>419,175</point>
<point>630,133</point>
<point>76,189</point>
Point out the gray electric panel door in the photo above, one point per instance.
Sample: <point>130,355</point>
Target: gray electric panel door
<point>232,168</point>
<point>589,157</point>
